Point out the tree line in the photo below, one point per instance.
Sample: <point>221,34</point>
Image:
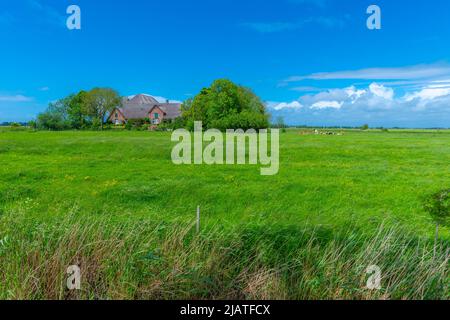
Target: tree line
<point>223,105</point>
<point>83,110</point>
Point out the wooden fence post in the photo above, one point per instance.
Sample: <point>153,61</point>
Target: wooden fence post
<point>198,219</point>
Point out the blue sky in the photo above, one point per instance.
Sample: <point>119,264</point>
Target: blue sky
<point>313,61</point>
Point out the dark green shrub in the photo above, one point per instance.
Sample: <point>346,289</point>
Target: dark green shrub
<point>438,206</point>
<point>225,105</point>
<point>32,124</point>
<point>52,120</point>
<point>96,124</point>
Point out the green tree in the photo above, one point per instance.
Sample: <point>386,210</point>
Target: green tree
<point>32,124</point>
<point>77,110</point>
<point>279,123</point>
<point>55,117</point>
<point>225,105</point>
<point>99,102</point>
<point>51,120</point>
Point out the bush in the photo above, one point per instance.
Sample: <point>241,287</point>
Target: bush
<point>438,206</point>
<point>137,124</point>
<point>52,121</point>
<point>225,105</point>
<point>244,120</point>
<point>365,127</point>
<point>170,125</point>
<point>96,124</point>
<point>32,124</point>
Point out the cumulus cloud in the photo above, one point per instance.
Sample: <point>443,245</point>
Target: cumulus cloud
<point>285,105</point>
<point>432,91</point>
<point>377,104</point>
<point>375,96</point>
<point>414,96</point>
<point>354,94</point>
<point>381,91</point>
<point>327,104</point>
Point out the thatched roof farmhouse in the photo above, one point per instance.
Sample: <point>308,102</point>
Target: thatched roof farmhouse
<point>144,106</point>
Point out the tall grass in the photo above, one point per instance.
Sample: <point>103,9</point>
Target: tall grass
<point>140,259</point>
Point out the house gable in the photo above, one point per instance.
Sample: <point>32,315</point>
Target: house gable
<point>156,115</point>
<point>117,115</point>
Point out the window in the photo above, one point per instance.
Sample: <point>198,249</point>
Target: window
<point>117,115</point>
<point>156,115</point>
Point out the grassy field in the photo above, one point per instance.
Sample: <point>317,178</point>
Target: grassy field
<point>114,203</point>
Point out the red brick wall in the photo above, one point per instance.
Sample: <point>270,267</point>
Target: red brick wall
<point>120,116</point>
<point>157,111</point>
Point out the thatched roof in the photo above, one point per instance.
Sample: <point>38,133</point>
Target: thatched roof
<point>171,110</point>
<point>139,107</point>
<point>142,99</point>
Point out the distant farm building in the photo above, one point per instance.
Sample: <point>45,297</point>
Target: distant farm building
<point>144,106</point>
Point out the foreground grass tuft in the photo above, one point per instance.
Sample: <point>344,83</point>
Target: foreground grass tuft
<point>139,259</point>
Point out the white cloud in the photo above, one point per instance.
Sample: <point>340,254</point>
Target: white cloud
<point>354,94</point>
<point>422,71</point>
<point>15,98</point>
<point>376,96</point>
<point>327,105</point>
<point>414,96</point>
<point>376,104</point>
<point>428,94</point>
<point>285,105</point>
<point>381,91</point>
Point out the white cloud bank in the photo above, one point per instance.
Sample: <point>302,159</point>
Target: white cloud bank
<point>428,106</point>
<point>411,96</point>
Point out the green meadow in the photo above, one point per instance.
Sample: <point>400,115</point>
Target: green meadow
<point>115,203</point>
